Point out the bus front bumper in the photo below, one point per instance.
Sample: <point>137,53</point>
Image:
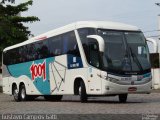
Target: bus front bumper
<point>111,88</point>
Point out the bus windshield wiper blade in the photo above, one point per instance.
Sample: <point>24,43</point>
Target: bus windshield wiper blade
<point>136,59</point>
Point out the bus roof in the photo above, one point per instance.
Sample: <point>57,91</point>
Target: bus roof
<point>77,25</point>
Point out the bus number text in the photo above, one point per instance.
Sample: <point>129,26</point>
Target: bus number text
<point>38,70</point>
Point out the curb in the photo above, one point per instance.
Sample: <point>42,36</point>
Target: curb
<point>155,91</point>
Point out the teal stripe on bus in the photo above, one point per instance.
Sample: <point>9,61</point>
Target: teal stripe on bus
<point>43,86</point>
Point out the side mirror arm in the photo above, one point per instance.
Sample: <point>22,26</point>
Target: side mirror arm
<point>100,41</point>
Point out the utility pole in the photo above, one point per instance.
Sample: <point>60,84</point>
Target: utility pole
<point>158,4</point>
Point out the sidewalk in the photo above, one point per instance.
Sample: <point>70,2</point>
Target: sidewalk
<point>156,91</point>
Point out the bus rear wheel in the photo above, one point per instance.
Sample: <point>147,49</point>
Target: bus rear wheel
<point>22,93</point>
<point>53,97</point>
<point>123,98</point>
<point>16,94</point>
<point>82,92</point>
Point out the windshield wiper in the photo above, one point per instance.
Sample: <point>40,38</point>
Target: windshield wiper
<point>136,59</point>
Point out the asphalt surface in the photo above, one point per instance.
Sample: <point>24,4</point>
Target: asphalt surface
<point>136,104</point>
<point>141,104</point>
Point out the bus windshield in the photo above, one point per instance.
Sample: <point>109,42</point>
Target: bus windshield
<point>125,52</point>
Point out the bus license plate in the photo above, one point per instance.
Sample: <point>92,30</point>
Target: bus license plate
<point>132,89</point>
<point>126,79</point>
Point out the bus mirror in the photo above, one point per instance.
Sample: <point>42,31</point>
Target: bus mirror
<point>100,41</point>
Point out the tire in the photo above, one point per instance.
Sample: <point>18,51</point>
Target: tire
<point>82,92</point>
<point>16,94</point>
<point>53,97</point>
<point>22,93</point>
<point>123,98</point>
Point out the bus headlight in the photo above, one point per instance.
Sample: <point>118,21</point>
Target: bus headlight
<point>103,75</point>
<point>112,79</point>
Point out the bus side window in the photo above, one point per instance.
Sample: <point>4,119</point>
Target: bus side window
<point>6,59</point>
<point>83,33</point>
<point>55,45</point>
<point>14,56</point>
<point>42,50</point>
<point>70,45</point>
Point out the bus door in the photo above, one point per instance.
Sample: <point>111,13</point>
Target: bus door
<point>58,74</point>
<point>94,80</point>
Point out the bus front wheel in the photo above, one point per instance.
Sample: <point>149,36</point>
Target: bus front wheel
<point>123,98</point>
<point>82,92</point>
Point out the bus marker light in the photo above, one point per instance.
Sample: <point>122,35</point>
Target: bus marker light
<point>42,38</point>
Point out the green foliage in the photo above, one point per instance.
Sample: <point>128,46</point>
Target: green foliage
<point>12,1</point>
<point>12,30</point>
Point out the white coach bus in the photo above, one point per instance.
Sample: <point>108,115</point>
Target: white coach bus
<point>88,58</point>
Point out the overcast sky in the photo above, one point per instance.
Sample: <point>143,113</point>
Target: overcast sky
<point>57,13</point>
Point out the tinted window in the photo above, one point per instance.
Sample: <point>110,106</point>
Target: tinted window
<point>70,45</point>
<point>22,54</point>
<point>94,53</point>
<point>55,44</point>
<point>64,44</point>
<point>41,50</point>
<point>38,50</point>
<point>13,56</point>
<point>6,58</point>
<point>83,33</point>
<point>26,53</point>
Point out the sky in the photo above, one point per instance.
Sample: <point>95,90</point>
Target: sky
<point>57,13</point>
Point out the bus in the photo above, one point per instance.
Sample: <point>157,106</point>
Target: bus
<point>86,58</point>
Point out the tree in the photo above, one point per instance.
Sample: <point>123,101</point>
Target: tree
<point>12,30</point>
<point>157,4</point>
<point>12,1</point>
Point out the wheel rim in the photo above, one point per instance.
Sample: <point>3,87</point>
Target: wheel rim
<point>15,93</point>
<point>23,93</point>
<point>80,90</point>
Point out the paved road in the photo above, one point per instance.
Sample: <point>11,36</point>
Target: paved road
<point>136,104</point>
